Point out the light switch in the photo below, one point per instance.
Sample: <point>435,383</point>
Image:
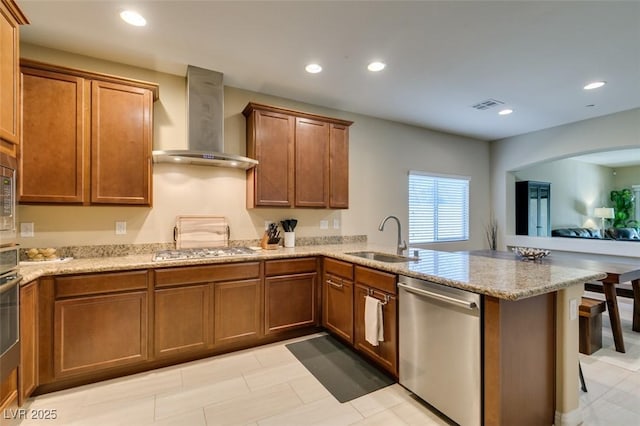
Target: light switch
<point>26,229</point>
<point>324,224</point>
<point>121,227</point>
<point>336,223</point>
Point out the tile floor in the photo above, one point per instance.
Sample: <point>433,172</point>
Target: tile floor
<point>613,379</point>
<point>268,386</point>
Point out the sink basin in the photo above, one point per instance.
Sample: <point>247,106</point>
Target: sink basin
<point>381,257</point>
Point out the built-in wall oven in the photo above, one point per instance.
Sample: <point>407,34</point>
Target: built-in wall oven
<point>7,201</point>
<point>9,274</point>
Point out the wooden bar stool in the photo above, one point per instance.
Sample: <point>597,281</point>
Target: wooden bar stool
<point>590,325</point>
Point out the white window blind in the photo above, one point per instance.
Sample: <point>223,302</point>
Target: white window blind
<point>438,208</point>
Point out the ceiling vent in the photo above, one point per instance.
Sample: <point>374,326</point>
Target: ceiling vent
<point>488,104</point>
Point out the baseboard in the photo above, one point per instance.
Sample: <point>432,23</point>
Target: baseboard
<point>572,418</point>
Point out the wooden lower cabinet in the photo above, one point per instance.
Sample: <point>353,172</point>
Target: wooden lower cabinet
<point>99,332</point>
<point>183,320</point>
<point>9,399</point>
<point>28,370</point>
<point>237,311</point>
<point>338,306</point>
<point>519,385</point>
<point>290,302</point>
<point>291,298</point>
<point>386,353</point>
<point>337,298</point>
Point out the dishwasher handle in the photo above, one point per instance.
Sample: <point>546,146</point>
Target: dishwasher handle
<point>443,298</point>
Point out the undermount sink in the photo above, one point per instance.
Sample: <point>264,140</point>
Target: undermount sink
<point>382,257</point>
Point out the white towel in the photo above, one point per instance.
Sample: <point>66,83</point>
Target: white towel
<point>373,324</point>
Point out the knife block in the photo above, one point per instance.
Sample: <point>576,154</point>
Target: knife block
<point>264,243</point>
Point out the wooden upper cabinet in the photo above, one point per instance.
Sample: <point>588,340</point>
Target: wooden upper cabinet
<point>121,144</point>
<point>87,137</point>
<point>54,149</point>
<point>10,19</point>
<point>339,167</point>
<point>312,163</point>
<point>270,137</point>
<point>303,158</point>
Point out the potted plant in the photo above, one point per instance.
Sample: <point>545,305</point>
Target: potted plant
<point>623,207</point>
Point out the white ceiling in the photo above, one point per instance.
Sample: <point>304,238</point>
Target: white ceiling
<point>442,56</point>
<point>618,158</point>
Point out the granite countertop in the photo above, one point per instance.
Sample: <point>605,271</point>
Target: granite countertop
<point>502,278</point>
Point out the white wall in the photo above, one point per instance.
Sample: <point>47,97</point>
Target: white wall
<point>381,154</point>
<point>626,177</point>
<point>576,189</point>
<point>615,131</point>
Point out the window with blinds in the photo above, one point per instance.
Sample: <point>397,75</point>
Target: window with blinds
<point>438,208</point>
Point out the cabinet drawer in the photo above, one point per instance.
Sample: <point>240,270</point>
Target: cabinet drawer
<point>290,266</point>
<point>339,268</point>
<point>83,285</point>
<point>376,279</point>
<point>206,274</point>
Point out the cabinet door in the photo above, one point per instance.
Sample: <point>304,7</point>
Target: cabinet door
<point>533,208</point>
<point>54,153</point>
<point>338,306</point>
<point>9,82</point>
<point>270,138</point>
<point>290,302</point>
<point>386,353</point>
<point>339,167</point>
<point>183,319</point>
<point>238,311</point>
<point>312,163</point>
<point>99,332</point>
<point>121,141</point>
<point>28,371</point>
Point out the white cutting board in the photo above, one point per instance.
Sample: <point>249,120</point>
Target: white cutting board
<point>201,231</point>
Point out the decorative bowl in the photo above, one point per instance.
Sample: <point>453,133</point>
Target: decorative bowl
<point>528,253</point>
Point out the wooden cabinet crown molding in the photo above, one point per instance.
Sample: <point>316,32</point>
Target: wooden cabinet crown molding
<point>15,11</point>
<point>263,107</point>
<point>92,75</point>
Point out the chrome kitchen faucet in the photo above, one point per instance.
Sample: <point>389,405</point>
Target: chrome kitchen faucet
<point>402,245</point>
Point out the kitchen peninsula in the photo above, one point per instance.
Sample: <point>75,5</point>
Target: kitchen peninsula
<point>530,342</point>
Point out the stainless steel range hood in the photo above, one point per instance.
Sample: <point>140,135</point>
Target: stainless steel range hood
<point>205,125</point>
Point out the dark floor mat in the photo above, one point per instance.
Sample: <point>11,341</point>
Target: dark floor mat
<point>340,370</point>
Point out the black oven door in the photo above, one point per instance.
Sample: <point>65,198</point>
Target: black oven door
<point>9,323</point>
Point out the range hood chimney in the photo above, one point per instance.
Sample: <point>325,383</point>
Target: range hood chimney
<point>205,125</point>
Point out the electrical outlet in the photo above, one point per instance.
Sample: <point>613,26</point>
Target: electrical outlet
<point>324,224</point>
<point>26,229</point>
<point>573,309</point>
<point>121,227</point>
<point>336,223</point>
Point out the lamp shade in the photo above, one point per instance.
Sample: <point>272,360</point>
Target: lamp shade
<point>604,212</point>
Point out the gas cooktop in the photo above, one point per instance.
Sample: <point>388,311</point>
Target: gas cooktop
<point>201,253</point>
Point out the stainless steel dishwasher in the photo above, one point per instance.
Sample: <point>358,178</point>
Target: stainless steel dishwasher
<point>440,352</point>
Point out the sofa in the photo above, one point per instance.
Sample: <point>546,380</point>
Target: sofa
<point>624,234</point>
<point>620,234</point>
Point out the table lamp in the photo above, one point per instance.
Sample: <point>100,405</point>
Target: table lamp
<point>604,213</point>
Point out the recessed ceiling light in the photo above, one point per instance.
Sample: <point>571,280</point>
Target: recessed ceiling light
<point>505,111</point>
<point>313,68</point>
<point>133,18</point>
<point>594,85</point>
<point>376,66</point>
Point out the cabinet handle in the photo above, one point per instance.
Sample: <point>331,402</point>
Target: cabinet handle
<point>334,284</point>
